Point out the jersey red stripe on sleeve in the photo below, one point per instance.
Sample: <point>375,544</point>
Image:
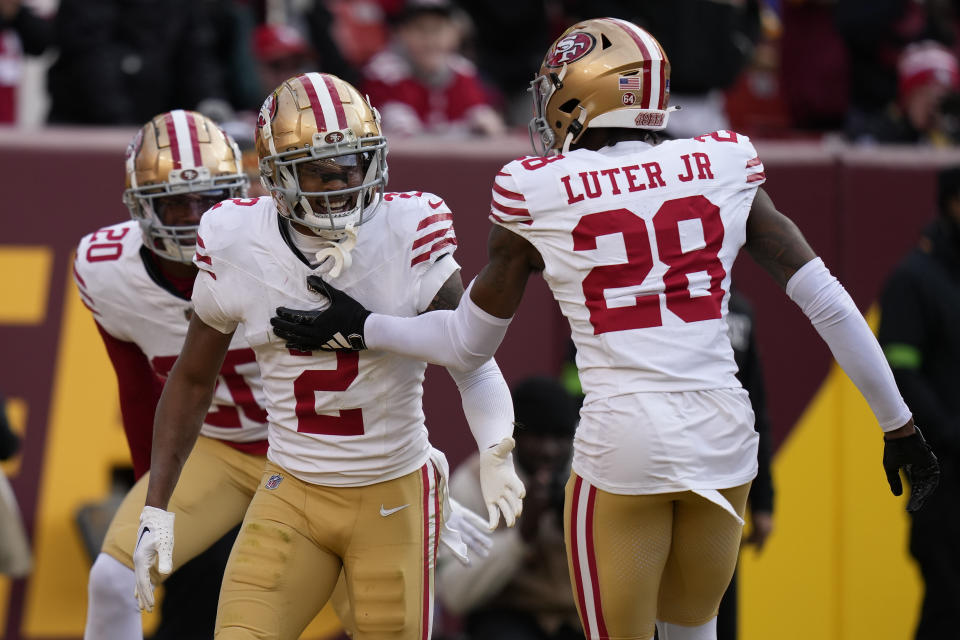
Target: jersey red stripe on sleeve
<point>506,193</point>
<point>753,162</point>
<point>437,246</point>
<point>430,237</point>
<point>435,218</point>
<point>756,177</point>
<point>510,214</point>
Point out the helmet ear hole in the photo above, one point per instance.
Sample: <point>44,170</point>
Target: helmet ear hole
<point>569,105</point>
<point>605,42</point>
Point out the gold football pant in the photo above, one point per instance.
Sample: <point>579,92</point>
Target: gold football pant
<point>636,559</point>
<point>295,538</point>
<point>215,487</point>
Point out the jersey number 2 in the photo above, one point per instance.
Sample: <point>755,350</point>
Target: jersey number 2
<point>350,421</point>
<point>640,253</point>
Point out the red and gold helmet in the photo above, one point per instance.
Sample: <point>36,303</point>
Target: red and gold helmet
<point>604,72</point>
<point>177,153</point>
<point>317,117</point>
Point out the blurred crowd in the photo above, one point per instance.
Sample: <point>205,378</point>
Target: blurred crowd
<point>879,71</point>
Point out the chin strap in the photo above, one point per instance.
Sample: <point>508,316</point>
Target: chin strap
<point>574,130</point>
<point>339,250</point>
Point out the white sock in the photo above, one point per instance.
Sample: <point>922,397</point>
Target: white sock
<point>112,612</point>
<point>668,631</point>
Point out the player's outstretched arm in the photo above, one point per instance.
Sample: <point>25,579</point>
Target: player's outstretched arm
<point>183,404</point>
<point>777,245</point>
<point>461,339</point>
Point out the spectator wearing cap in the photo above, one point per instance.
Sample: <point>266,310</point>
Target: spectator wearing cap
<point>421,84</point>
<point>521,590</point>
<point>281,53</point>
<point>927,108</point>
<point>927,81</point>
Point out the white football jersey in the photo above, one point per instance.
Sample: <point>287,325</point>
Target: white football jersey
<point>131,306</point>
<point>638,243</point>
<point>347,418</point>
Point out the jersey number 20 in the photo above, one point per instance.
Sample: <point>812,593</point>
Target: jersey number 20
<point>640,252</point>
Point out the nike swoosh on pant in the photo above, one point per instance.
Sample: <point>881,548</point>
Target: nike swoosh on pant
<point>387,512</point>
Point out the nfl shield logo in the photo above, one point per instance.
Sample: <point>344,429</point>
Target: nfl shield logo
<point>274,481</point>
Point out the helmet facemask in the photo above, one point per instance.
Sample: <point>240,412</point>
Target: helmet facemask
<point>542,88</point>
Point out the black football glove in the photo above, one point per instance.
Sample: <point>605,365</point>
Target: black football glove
<point>915,457</point>
<point>339,327</point>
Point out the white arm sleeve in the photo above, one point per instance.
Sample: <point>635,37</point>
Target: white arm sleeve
<point>838,321</point>
<point>487,404</point>
<point>461,339</point>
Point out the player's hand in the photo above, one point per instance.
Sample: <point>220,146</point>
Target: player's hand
<point>762,527</point>
<point>472,529</point>
<point>913,455</point>
<point>154,544</point>
<point>338,327</point>
<point>502,489</point>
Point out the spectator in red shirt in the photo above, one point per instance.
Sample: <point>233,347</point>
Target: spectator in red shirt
<point>421,84</point>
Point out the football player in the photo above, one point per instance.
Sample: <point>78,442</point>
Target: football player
<point>351,481</point>
<point>136,278</point>
<point>637,239</point>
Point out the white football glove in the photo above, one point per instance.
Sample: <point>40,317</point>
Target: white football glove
<point>471,529</point>
<point>502,489</point>
<point>154,544</point>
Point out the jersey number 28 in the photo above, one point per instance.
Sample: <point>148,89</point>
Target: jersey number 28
<point>640,253</point>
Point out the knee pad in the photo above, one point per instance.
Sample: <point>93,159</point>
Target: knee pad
<point>379,600</point>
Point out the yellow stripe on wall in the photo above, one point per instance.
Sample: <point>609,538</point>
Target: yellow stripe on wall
<point>25,287</point>
<point>836,566</point>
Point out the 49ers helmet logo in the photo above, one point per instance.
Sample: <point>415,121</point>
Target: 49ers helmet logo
<point>570,48</point>
<point>333,137</point>
<point>267,111</point>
